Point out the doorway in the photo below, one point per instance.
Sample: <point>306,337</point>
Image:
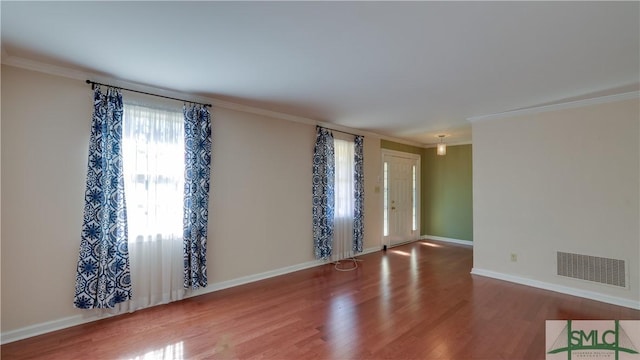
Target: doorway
<point>401,197</point>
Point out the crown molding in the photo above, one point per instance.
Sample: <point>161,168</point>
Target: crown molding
<point>556,107</point>
<point>293,118</point>
<point>75,74</point>
<point>45,68</point>
<point>403,141</point>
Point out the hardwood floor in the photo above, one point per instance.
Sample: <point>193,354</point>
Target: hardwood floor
<point>416,301</point>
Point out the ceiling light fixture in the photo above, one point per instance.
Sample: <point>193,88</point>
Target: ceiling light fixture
<point>442,147</point>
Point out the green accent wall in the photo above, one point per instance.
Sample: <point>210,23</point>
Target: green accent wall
<point>446,204</point>
<point>447,196</point>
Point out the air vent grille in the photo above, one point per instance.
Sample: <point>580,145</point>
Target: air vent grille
<point>592,268</point>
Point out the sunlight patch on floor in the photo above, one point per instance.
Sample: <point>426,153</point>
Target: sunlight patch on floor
<point>403,253</point>
<point>430,244</point>
<point>169,352</point>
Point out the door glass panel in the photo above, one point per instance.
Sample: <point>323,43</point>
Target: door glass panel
<point>414,201</point>
<point>386,198</point>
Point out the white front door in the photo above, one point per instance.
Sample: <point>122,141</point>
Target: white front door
<point>401,197</point>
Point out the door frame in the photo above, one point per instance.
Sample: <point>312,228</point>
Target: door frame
<point>384,240</point>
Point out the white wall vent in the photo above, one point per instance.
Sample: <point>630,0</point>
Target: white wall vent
<point>592,268</point>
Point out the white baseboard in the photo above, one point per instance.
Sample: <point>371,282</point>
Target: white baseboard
<point>268,274</point>
<point>59,324</point>
<point>49,326</point>
<point>256,277</point>
<point>402,243</point>
<point>369,250</point>
<point>558,288</point>
<point>445,239</point>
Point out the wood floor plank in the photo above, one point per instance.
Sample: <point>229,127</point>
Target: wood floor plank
<point>416,301</point>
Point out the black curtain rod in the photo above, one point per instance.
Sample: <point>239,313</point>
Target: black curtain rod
<point>93,85</point>
<point>344,132</point>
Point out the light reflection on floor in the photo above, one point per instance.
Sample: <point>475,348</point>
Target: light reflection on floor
<point>414,276</point>
<point>403,253</point>
<point>442,349</point>
<point>169,352</point>
<point>384,285</point>
<point>384,278</point>
<point>413,268</point>
<point>430,244</point>
<point>344,326</point>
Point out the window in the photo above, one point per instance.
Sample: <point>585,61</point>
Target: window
<point>153,156</point>
<point>344,159</point>
<point>153,164</point>
<point>344,151</point>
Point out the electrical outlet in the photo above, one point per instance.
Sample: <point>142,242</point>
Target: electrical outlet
<point>514,257</point>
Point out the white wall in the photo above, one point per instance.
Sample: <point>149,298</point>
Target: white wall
<point>563,180</point>
<point>44,159</point>
<point>260,205</point>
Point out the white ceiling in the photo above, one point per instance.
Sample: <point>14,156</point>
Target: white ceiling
<point>411,70</point>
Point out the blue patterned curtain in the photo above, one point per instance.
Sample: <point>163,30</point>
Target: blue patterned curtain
<point>197,170</point>
<point>323,193</point>
<point>358,194</point>
<point>103,277</point>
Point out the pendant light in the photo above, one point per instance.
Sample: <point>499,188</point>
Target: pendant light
<point>442,147</point>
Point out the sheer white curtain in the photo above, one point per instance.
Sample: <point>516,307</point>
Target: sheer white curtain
<point>153,153</point>
<point>344,197</point>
